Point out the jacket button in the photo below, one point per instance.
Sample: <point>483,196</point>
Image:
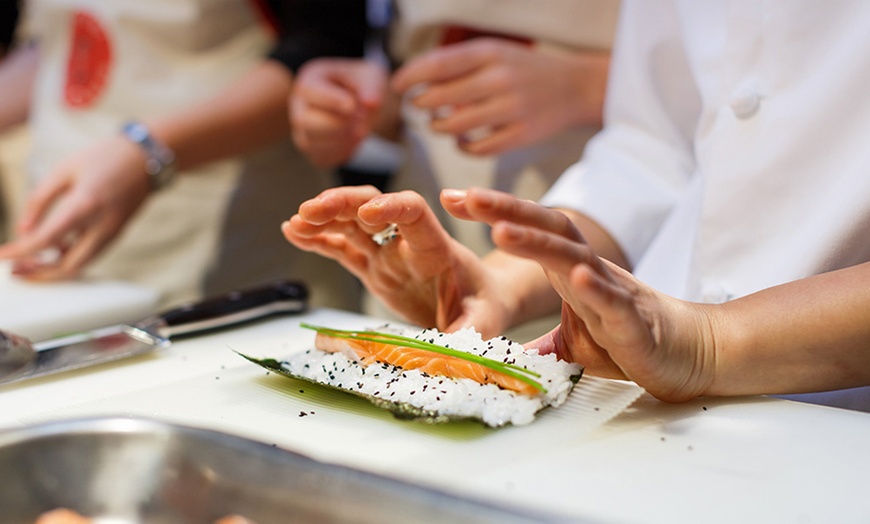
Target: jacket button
<point>746,99</point>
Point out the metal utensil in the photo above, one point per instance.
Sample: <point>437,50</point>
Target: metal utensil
<point>139,470</point>
<point>20,359</point>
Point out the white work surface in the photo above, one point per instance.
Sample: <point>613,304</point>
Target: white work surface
<point>711,460</point>
<point>40,311</point>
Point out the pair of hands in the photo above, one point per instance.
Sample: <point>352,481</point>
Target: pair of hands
<point>518,93</point>
<point>612,324</point>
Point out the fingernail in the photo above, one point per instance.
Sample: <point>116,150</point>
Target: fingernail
<point>453,195</point>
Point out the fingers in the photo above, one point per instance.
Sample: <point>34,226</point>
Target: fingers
<point>341,85</point>
<point>328,244</point>
<point>333,106</point>
<point>491,112</point>
<point>54,231</point>
<point>491,206</point>
<point>357,212</point>
<point>41,200</point>
<point>554,252</point>
<point>341,203</point>
<point>418,225</point>
<point>498,140</point>
<point>546,343</point>
<point>444,63</point>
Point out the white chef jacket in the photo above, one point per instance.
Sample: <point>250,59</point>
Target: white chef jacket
<point>734,155</point>
<point>215,228</point>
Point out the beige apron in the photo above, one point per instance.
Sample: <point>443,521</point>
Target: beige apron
<point>217,227</point>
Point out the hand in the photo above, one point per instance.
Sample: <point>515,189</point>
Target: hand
<point>612,324</point>
<point>520,94</point>
<point>333,107</point>
<point>424,275</point>
<point>78,209</point>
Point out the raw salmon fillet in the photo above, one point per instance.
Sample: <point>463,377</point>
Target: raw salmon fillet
<point>367,352</point>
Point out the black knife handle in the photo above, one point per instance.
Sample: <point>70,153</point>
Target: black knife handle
<point>233,308</point>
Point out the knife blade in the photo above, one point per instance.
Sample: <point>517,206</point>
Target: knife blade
<point>21,360</point>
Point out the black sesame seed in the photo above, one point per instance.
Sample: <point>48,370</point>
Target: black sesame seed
<point>302,391</point>
<point>303,414</point>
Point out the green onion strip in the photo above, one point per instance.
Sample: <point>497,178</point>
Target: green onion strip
<point>511,370</point>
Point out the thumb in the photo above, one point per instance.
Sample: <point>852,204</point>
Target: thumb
<point>546,343</point>
<point>367,81</point>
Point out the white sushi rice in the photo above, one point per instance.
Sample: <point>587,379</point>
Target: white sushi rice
<point>452,397</point>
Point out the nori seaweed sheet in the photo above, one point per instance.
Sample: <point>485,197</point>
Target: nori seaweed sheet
<point>400,410</point>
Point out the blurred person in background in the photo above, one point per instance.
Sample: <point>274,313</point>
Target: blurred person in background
<point>493,94</point>
<point>120,96</point>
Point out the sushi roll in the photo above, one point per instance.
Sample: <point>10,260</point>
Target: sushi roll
<point>435,377</point>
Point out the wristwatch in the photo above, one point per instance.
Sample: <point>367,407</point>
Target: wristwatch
<point>160,161</point>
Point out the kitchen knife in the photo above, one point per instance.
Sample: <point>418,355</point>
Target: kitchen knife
<point>20,359</point>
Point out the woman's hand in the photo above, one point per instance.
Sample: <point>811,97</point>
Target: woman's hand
<point>495,95</point>
<point>78,209</point>
<point>334,105</point>
<point>612,324</point>
<point>423,274</point>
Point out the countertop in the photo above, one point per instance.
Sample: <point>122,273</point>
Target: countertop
<point>711,460</point>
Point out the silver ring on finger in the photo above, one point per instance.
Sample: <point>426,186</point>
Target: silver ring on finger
<point>386,235</point>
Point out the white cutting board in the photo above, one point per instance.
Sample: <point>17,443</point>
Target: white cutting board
<point>40,311</point>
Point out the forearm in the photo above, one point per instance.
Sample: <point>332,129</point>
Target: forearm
<point>250,113</point>
<point>17,73</point>
<point>586,85</point>
<point>808,335</point>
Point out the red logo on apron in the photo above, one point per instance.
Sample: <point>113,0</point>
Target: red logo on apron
<point>89,62</point>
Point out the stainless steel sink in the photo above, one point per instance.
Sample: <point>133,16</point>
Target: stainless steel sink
<point>140,470</point>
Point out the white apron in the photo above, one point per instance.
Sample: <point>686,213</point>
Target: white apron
<point>217,227</point>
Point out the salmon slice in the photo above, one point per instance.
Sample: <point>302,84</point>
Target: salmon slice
<point>367,352</point>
